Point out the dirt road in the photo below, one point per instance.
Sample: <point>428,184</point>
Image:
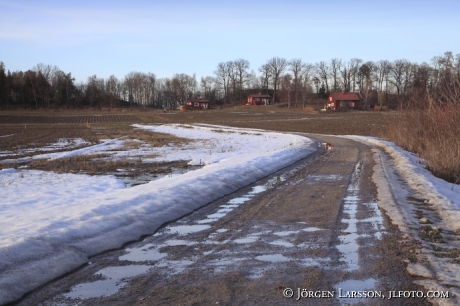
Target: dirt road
<point>312,230</point>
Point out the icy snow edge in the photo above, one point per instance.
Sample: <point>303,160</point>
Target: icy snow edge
<point>438,192</point>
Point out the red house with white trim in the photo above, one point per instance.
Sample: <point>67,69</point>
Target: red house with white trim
<point>258,99</point>
<point>198,103</point>
<point>342,101</point>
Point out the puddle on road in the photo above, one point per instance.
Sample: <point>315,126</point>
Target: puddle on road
<point>312,229</point>
<point>377,221</point>
<point>187,229</point>
<point>240,200</point>
<point>116,277</point>
<point>349,245</point>
<point>272,258</point>
<point>286,233</point>
<point>349,241</point>
<point>235,202</point>
<point>249,239</point>
<point>176,242</point>
<point>282,243</point>
<point>310,262</point>
<point>146,253</point>
<point>345,289</point>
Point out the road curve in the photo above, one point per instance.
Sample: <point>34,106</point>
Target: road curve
<point>313,228</point>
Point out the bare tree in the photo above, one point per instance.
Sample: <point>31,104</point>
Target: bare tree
<point>298,69</point>
<point>355,63</point>
<point>222,78</point>
<point>286,87</point>
<point>305,81</point>
<point>241,67</point>
<point>383,74</point>
<point>265,77</point>
<point>277,66</point>
<point>209,86</point>
<point>47,73</point>
<point>179,88</point>
<point>323,72</point>
<point>336,65</point>
<point>397,74</point>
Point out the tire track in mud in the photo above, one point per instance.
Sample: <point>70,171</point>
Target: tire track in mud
<point>311,226</point>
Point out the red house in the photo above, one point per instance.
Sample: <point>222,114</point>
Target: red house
<point>258,99</point>
<point>198,103</point>
<point>342,101</point>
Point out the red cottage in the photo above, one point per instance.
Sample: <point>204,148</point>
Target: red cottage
<point>342,101</point>
<point>198,103</point>
<point>258,99</point>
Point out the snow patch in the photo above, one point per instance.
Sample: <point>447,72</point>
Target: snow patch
<point>52,222</point>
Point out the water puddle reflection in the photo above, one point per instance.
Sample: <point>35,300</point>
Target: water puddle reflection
<point>249,239</point>
<point>187,229</point>
<point>142,254</point>
<point>285,233</point>
<point>312,229</point>
<point>282,243</point>
<point>116,277</point>
<point>349,245</point>
<point>345,290</point>
<point>349,240</point>
<point>272,258</point>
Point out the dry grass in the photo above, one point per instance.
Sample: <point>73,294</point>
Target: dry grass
<point>98,165</point>
<point>434,135</point>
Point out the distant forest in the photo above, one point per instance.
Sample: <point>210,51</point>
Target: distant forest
<point>293,82</point>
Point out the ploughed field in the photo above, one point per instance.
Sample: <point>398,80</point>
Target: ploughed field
<point>24,134</point>
<point>45,119</point>
<point>369,123</point>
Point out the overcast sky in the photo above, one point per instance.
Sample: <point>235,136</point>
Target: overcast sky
<point>165,37</point>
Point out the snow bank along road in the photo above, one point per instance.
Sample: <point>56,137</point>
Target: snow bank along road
<point>310,232</point>
<point>50,224</point>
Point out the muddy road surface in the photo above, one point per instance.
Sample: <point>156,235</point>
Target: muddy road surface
<point>310,234</point>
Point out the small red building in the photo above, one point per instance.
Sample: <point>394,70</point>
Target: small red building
<point>198,103</point>
<point>342,101</point>
<point>258,99</point>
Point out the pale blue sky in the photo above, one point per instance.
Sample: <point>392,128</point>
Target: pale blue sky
<point>178,36</point>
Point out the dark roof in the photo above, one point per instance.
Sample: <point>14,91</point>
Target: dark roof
<point>260,96</point>
<point>345,96</point>
<point>199,100</point>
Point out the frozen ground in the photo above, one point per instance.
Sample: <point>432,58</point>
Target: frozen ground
<point>50,223</point>
<point>422,206</point>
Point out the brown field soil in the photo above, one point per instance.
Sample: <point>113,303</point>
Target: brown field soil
<point>21,141</point>
<point>368,123</point>
<point>45,119</point>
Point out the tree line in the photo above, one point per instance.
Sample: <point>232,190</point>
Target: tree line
<point>294,82</point>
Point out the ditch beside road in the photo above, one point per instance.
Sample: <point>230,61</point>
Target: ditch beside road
<point>314,225</point>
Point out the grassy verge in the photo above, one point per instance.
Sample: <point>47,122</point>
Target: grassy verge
<point>432,133</point>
